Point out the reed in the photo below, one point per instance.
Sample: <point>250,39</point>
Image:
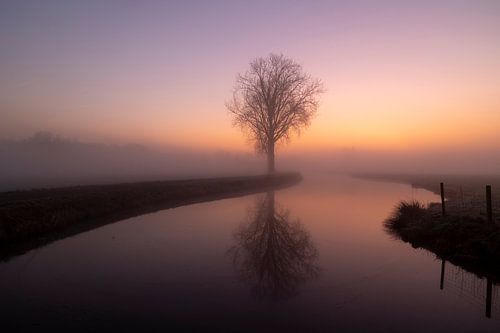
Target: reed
<point>467,241</point>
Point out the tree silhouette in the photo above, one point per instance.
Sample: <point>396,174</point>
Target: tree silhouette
<point>272,100</point>
<point>273,254</point>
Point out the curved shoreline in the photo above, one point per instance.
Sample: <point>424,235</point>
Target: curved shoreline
<point>469,242</point>
<point>30,219</point>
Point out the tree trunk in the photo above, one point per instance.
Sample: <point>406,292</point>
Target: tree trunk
<point>270,158</point>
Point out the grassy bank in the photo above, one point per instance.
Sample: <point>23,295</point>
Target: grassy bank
<point>465,194</point>
<point>467,241</point>
<point>29,219</point>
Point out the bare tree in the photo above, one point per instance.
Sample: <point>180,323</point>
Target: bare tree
<point>272,100</point>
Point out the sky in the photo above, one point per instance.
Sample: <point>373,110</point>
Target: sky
<point>400,75</point>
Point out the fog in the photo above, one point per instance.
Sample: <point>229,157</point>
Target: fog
<point>454,161</point>
<point>48,160</point>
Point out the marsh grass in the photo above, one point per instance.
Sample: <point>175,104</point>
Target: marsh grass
<point>467,241</point>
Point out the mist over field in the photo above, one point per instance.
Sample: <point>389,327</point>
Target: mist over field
<point>48,160</point>
<point>250,166</point>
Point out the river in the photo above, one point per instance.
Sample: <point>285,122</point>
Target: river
<point>312,257</point>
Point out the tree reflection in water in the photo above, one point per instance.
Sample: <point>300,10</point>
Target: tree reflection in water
<point>273,254</point>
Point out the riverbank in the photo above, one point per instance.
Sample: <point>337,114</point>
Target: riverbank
<point>463,236</point>
<point>29,219</point>
<point>465,194</point>
<point>456,185</point>
<point>466,241</point>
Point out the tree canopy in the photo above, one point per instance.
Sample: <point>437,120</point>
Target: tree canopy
<point>273,99</point>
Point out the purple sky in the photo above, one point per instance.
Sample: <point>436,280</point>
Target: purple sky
<point>399,74</point>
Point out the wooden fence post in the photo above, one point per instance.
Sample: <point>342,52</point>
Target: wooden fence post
<point>489,208</point>
<point>441,281</point>
<point>442,199</point>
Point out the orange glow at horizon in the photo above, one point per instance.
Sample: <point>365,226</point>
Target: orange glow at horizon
<point>390,118</point>
<point>399,76</point>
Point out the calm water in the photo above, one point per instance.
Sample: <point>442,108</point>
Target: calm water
<point>313,257</point>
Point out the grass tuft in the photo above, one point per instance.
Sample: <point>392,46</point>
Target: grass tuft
<point>467,241</point>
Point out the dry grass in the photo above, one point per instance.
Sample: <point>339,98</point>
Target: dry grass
<point>29,219</point>
<point>467,241</point>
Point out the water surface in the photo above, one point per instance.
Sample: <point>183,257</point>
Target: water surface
<point>312,257</point>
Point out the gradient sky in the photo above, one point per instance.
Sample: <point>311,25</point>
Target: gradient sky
<point>399,74</point>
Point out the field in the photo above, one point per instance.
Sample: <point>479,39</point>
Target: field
<point>464,236</point>
<point>465,194</point>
